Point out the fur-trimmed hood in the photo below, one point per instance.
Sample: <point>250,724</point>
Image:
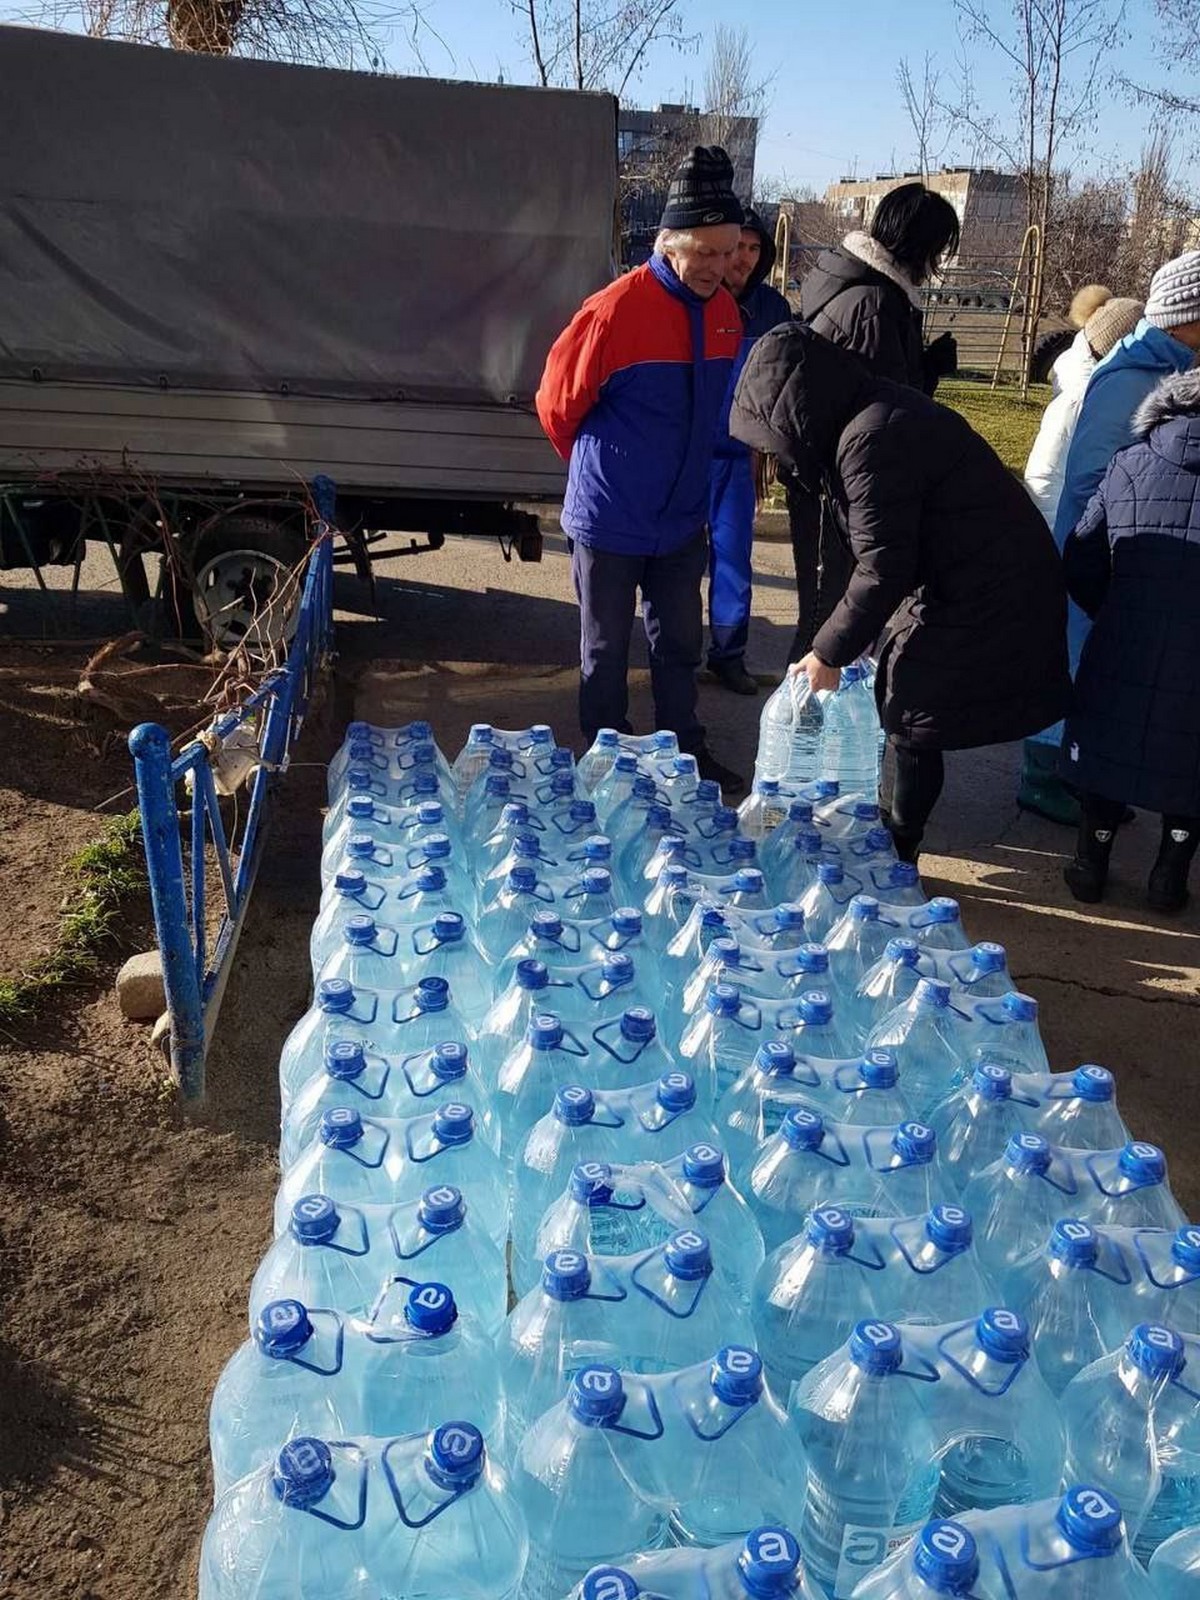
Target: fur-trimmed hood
<point>1176,396</point>
<point>863,247</point>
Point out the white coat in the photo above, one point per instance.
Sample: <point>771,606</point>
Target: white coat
<point>1046,467</point>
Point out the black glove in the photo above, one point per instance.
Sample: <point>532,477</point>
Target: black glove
<point>939,360</point>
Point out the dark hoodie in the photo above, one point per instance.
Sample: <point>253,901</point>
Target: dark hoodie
<point>858,298</point>
<point>941,533</point>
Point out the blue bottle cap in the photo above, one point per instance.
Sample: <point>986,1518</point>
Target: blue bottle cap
<point>742,849</point>
<point>1144,1163</point>
<point>672,848</point>
<point>674,875</point>
<point>950,1228</point>
<point>448,1061</point>
<point>596,881</point>
<point>800,811</point>
<point>825,788</point>
<point>748,880</point>
<point>610,1583</point>
<point>830,872</point>
<point>815,1008</point>
<point>522,879</point>
<point>581,811</point>
<point>454,1123</point>
<point>1090,1519</point>
<point>314,1219</point>
<point>335,994</point>
<point>932,994</point>
<point>1185,1248</point>
<point>546,925</point>
<point>497,783</point>
<point>532,974</point>
<point>906,951</point>
<point>830,1229</point>
<point>802,1128</point>
<point>1020,1007</point>
<point>992,1080</point>
<point>359,778</point>
<point>724,820</point>
<point>360,844</point>
<point>767,786</point>
<point>736,1375</point>
<point>562,758</point>
<point>596,1396</point>
<point>626,762</point>
<point>617,967</point>
<point>430,1308</point>
<point>545,1031</point>
<point>1155,1350</point>
<point>455,1458</point>
<point>436,847</point>
<point>527,845</point>
<point>789,917</point>
<point>1028,1152</point>
<point>350,881</point>
<point>420,729</point>
<point>608,739</point>
<point>708,792</point>
<point>988,956</point>
<point>879,840</point>
<point>942,909</point>
<point>1094,1084</point>
<point>686,766</point>
<point>687,1255</point>
<point>712,917</point>
<point>566,1275</point>
<point>776,1057</point>
<point>591,1183</point>
<point>448,927</point>
<point>597,849</point>
<point>358,731</point>
<point>341,1127</point>
<point>865,811</point>
<point>433,994</point>
<point>344,1058</point>
<point>704,1165</point>
<point>767,1562</point>
<point>303,1472</point>
<point>627,920</point>
<point>421,737</point>
<point>723,1000</point>
<point>676,1091</point>
<point>542,733</point>
<point>658,818</point>
<point>1073,1241</point>
<point>430,813</point>
<point>946,1558</point>
<point>879,1069</point>
<point>514,815</point>
<point>481,733</point>
<point>360,805</point>
<point>431,879</point>
<point>915,1143</point>
<point>281,1328</point>
<point>500,759</point>
<point>441,1209</point>
<point>727,950</point>
<point>643,787</point>
<point>1003,1334</point>
<point>876,1347</point>
<point>811,958</point>
<point>574,1105</point>
<point>864,908</point>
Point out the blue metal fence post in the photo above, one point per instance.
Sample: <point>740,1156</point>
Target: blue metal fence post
<point>150,747</point>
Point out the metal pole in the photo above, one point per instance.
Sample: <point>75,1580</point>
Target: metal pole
<point>150,747</point>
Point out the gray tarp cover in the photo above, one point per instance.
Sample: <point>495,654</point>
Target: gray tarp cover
<point>242,225</point>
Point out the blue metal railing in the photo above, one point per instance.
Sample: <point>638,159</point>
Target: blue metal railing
<point>195,979</point>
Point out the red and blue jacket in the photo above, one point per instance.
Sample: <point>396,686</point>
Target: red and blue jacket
<point>632,397</point>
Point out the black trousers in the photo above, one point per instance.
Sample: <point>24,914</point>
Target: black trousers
<point>823,565</point>
<point>916,789</point>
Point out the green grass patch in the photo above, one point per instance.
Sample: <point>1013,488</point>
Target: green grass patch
<point>1006,421</point>
<point>100,878</point>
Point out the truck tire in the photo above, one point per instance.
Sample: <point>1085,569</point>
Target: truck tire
<point>246,575</point>
<point>1046,350</point>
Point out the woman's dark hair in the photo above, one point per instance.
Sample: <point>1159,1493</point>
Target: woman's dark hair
<point>916,227</point>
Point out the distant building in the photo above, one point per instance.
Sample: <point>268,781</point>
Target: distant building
<point>650,144</point>
<point>990,207</point>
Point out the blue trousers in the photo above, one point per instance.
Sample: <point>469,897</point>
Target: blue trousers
<point>730,570</point>
<point>607,587</point>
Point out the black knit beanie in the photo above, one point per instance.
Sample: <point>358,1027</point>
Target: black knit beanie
<point>701,193</point>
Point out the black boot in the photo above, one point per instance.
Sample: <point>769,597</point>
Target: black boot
<point>1087,874</point>
<point>908,845</point>
<point>731,674</point>
<point>1167,889</point>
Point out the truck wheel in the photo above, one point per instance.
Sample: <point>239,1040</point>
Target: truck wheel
<point>247,577</point>
<point>1046,351</point>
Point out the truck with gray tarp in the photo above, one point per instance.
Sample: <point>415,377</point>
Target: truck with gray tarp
<point>220,278</point>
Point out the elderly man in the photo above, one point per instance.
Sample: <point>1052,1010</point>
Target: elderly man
<point>632,398</point>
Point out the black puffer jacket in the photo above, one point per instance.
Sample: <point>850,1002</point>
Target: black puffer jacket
<point>1133,564</point>
<point>937,526</point>
<point>857,298</point>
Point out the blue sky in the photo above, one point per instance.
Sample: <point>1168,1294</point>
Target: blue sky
<point>834,102</point>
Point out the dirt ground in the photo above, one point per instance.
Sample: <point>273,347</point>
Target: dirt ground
<point>130,1228</point>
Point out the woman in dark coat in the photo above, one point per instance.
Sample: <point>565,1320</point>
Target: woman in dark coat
<point>865,296</point>
<point>1133,565</point>
<point>941,534</point>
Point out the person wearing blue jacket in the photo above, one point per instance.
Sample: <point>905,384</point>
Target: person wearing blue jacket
<point>1164,342</point>
<point>733,502</point>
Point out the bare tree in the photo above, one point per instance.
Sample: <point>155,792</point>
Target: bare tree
<point>1160,218</point>
<point>1179,51</point>
<point>588,44</point>
<point>926,113</point>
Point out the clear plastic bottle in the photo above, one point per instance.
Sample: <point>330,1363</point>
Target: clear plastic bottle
<point>1077,1110</point>
<point>339,1011</point>
<point>754,1105</point>
<point>530,1075</point>
<point>501,924</point>
<point>763,809</point>
<point>1175,1569</point>
<point>668,905</point>
<point>887,985</point>
<point>975,1120</point>
<point>599,758</point>
<point>937,925</point>
<point>616,784</point>
<point>775,852</point>
<point>923,1032</point>
<point>941,1561</point>
<point>895,883</point>
<point>857,940</point>
<point>766,1563</point>
<point>866,1092</point>
<point>1004,1030</point>
<point>826,900</point>
<point>634,857</point>
<point>982,971</point>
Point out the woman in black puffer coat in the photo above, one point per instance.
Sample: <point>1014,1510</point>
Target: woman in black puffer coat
<point>941,534</point>
<point>1133,564</point>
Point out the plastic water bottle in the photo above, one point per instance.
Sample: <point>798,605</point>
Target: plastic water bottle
<point>357,815</point>
<point>516,818</point>
<point>644,845</point>
<point>472,759</point>
<point>688,946</point>
<point>375,1087</point>
<point>942,1560</point>
<point>525,848</point>
<point>376,858</point>
<point>779,930</point>
<point>975,1121</point>
<point>668,905</point>
<point>350,893</point>
<point>527,989</point>
<point>866,1092</point>
<point>589,995</point>
<point>1005,1030</point>
<point>1073,1548</point>
<point>937,925</point>
<point>724,849</point>
<point>1077,1110</point>
<point>1133,1429</point>
<point>763,809</point>
<point>599,758</point>
<point>500,782</point>
<point>754,1105</point>
<point>572,1480</point>
<point>982,971</point>
<point>616,785</point>
<point>798,721</point>
<point>896,883</point>
<point>358,1160</point>
<point>721,1041</point>
<point>548,939</point>
<point>679,777</point>
<point>866,1172</point>
<point>425,1014</point>
<point>925,1037</point>
<point>869,1450</point>
<point>530,1075</point>
<point>887,985</point>
<point>361,778</point>
<point>811,1291</point>
<point>632,813</point>
<point>850,736</point>
<point>857,940</point>
<point>590,898</point>
<point>1175,1569</point>
<point>339,1011</point>
<point>871,852</point>
<point>775,851</point>
<point>413,1362</point>
<point>766,1562</point>
<point>505,921</point>
<point>825,900</point>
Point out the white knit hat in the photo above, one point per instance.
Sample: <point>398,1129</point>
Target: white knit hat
<point>1175,292</point>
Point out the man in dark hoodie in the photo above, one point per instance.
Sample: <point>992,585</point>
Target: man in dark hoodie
<point>732,498</point>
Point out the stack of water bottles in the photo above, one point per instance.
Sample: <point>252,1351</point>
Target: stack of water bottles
<point>676,1203</point>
